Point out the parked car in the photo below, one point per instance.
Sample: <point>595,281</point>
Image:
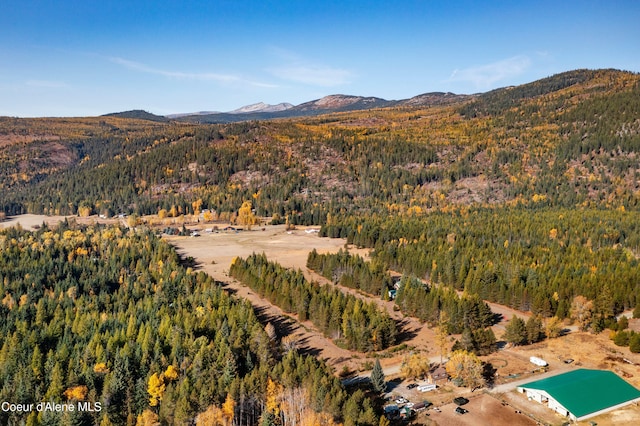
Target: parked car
<point>412,385</point>
<point>460,410</point>
<point>422,405</point>
<point>568,361</point>
<point>460,400</point>
<point>400,400</point>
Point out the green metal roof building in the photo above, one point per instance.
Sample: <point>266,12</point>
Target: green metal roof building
<point>581,394</point>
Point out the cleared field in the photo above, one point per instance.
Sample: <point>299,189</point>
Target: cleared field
<point>215,251</point>
<point>31,221</point>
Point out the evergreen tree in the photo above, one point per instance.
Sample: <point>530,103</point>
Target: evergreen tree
<point>268,419</point>
<point>634,343</point>
<point>621,338</point>
<point>485,341</point>
<point>467,341</point>
<point>623,323</point>
<point>534,329</point>
<point>516,331</point>
<point>377,378</point>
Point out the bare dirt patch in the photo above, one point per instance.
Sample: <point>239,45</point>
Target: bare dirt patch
<point>32,221</point>
<point>484,410</point>
<point>629,416</point>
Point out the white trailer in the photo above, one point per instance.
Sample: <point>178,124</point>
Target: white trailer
<point>538,361</point>
<point>427,387</point>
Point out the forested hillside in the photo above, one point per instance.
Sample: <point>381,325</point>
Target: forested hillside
<point>570,140</point>
<point>110,317</point>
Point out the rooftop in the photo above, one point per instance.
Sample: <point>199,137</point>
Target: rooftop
<point>583,391</point>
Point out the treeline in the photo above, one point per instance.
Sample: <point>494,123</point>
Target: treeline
<point>109,316</point>
<point>623,337</point>
<point>351,271</point>
<point>529,259</point>
<point>426,302</point>
<point>413,297</point>
<point>359,325</point>
<point>498,101</point>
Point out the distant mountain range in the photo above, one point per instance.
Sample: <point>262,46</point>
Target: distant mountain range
<point>327,104</point>
<point>262,107</point>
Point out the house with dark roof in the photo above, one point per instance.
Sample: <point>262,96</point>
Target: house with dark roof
<point>439,373</point>
<point>581,394</point>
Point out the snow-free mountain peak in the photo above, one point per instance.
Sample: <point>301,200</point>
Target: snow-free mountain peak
<point>262,107</point>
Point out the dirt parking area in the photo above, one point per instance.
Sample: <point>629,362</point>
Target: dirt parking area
<point>484,410</point>
<point>629,416</point>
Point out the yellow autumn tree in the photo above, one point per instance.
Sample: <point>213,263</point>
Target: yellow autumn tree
<point>79,393</point>
<point>148,418</point>
<point>228,410</point>
<point>84,211</point>
<point>274,390</point>
<point>553,327</point>
<point>414,366</point>
<point>196,205</point>
<point>156,389</point>
<point>105,421</point>
<point>211,417</point>
<point>442,334</point>
<point>582,311</point>
<point>171,373</point>
<point>246,217</point>
<point>311,418</point>
<point>466,368</point>
<point>100,368</point>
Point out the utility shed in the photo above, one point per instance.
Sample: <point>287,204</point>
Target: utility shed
<point>581,394</point>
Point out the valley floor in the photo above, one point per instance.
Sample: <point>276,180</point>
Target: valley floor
<point>214,251</point>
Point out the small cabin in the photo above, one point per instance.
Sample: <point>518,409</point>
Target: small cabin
<point>439,374</point>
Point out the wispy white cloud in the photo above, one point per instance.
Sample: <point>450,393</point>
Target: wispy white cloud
<point>485,76</point>
<point>221,78</point>
<point>46,84</point>
<point>301,70</point>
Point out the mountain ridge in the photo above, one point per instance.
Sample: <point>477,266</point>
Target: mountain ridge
<point>345,103</point>
<point>262,107</point>
<point>563,140</point>
<point>324,105</point>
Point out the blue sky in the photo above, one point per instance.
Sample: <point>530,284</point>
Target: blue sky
<point>91,57</point>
